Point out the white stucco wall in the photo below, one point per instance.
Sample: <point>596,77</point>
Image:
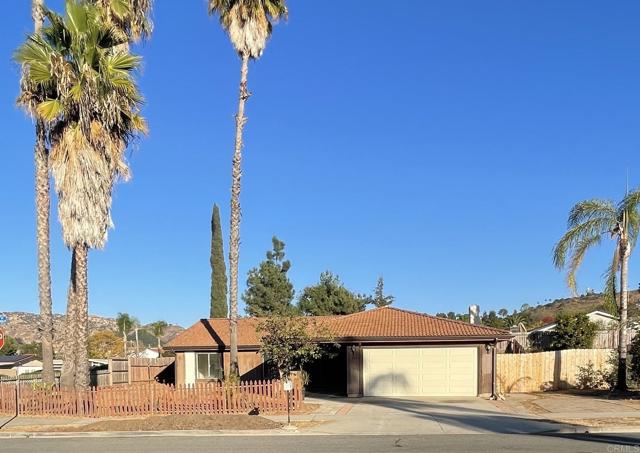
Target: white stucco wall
<point>190,368</point>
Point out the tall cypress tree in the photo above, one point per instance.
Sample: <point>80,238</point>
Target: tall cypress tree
<point>218,269</point>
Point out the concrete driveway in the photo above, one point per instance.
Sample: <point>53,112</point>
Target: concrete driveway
<point>408,416</point>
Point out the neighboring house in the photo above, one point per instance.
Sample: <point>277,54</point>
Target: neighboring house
<point>382,352</point>
<point>13,365</point>
<point>599,317</point>
<point>148,353</point>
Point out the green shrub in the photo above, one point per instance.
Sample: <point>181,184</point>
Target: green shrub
<point>573,332</point>
<point>589,378</point>
<point>634,363</point>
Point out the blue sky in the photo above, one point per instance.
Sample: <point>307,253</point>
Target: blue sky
<point>439,144</point>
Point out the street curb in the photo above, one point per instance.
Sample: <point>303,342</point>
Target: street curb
<point>174,433</point>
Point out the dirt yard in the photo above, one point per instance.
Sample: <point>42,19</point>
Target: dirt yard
<point>178,422</point>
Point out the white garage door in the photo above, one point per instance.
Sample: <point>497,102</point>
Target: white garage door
<point>420,371</point>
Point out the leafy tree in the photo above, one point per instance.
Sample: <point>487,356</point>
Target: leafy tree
<point>157,329</point>
<point>503,312</point>
<point>491,319</point>
<point>269,291</point>
<point>219,307</point>
<point>105,344</point>
<point>573,332</point>
<point>379,299</point>
<point>589,222</point>
<point>91,109</point>
<point>11,346</point>
<point>249,25</point>
<point>330,297</point>
<point>34,348</point>
<point>463,317</point>
<point>286,342</point>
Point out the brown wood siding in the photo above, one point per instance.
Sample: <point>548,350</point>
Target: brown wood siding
<point>179,370</point>
<point>250,363</point>
<point>354,371</point>
<point>485,374</point>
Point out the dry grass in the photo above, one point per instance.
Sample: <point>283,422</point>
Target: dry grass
<point>177,422</point>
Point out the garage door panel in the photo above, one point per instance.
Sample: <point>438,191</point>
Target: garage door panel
<point>463,363</point>
<point>378,369</point>
<point>433,369</point>
<point>436,371</point>
<point>406,374</point>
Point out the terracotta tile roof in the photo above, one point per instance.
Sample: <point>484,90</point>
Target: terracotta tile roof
<point>380,323</point>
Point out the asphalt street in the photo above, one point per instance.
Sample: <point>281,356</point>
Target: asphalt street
<point>612,443</point>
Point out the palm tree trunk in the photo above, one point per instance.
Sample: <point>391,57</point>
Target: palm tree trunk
<point>44,260</point>
<point>624,299</point>
<point>68,376</point>
<point>234,243</point>
<point>82,316</point>
<point>43,203</point>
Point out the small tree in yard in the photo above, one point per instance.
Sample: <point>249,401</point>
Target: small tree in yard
<point>573,332</point>
<point>287,344</point>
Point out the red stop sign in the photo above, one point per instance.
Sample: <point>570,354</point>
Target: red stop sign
<point>1,338</point>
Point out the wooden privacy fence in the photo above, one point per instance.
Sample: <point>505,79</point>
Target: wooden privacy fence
<point>150,399</point>
<point>124,371</point>
<point>527,341</point>
<point>539,371</point>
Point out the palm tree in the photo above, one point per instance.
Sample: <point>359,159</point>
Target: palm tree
<point>157,329</point>
<point>92,111</point>
<point>249,25</point>
<point>43,203</point>
<point>130,18</point>
<point>589,222</point>
<point>126,323</point>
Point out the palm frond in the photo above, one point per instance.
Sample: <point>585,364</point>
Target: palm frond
<point>591,209</point>
<point>249,23</point>
<point>577,258</point>
<point>611,283</point>
<point>577,233</point>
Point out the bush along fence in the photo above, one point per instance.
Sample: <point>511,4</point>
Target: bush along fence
<point>551,370</point>
<point>150,399</point>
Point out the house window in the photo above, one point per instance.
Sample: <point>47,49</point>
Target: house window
<point>209,365</point>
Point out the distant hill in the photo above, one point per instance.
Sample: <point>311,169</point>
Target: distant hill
<point>23,326</point>
<point>542,314</point>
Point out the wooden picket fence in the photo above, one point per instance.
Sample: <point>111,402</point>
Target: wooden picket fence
<point>551,370</point>
<point>150,399</point>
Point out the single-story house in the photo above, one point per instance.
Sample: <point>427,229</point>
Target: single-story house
<point>13,365</point>
<point>382,352</point>
<point>601,318</point>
